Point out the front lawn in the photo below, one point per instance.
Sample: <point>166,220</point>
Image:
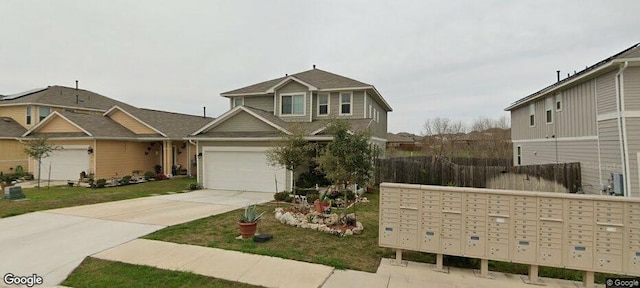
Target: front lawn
<point>357,252</point>
<point>94,272</point>
<point>64,196</point>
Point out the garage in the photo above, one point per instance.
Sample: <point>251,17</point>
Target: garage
<point>66,164</point>
<point>241,169</point>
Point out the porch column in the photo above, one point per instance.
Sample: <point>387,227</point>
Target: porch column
<point>167,157</point>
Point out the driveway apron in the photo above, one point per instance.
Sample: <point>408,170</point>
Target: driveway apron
<point>52,243</point>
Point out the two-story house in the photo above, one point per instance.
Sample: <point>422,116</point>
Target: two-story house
<point>232,148</point>
<point>98,135</point>
<point>591,117</point>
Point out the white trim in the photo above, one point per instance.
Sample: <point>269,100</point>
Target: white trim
<point>364,109</point>
<point>310,106</point>
<point>254,139</point>
<point>548,110</point>
<point>304,106</point>
<point>379,139</point>
<point>134,117</point>
<point>627,188</point>
<point>48,119</point>
<point>562,85</point>
<point>595,93</point>
<point>284,81</point>
<point>206,148</point>
<point>275,104</point>
<point>532,112</point>
<point>623,113</point>
<point>233,101</point>
<point>560,139</point>
<point>242,94</point>
<point>350,103</point>
<point>559,100</point>
<point>328,104</point>
<point>231,113</point>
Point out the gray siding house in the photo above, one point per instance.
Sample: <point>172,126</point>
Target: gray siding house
<point>232,148</point>
<point>591,117</point>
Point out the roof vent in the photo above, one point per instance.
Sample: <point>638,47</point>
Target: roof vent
<point>314,66</point>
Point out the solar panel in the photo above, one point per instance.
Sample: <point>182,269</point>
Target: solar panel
<point>25,93</point>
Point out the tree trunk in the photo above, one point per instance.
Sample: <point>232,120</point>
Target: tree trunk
<point>39,171</point>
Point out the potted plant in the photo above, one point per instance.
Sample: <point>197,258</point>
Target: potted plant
<point>249,221</point>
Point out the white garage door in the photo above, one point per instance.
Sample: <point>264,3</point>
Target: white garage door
<point>65,164</point>
<point>243,169</point>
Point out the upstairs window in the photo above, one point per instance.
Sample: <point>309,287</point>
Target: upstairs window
<point>377,116</point>
<point>370,112</point>
<point>28,115</point>
<point>559,102</point>
<point>44,112</point>
<point>519,155</point>
<point>292,104</point>
<point>549,110</point>
<point>323,104</point>
<point>345,103</point>
<point>238,101</point>
<point>532,115</point>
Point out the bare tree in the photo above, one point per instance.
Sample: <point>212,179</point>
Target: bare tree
<point>442,135</point>
<point>491,137</point>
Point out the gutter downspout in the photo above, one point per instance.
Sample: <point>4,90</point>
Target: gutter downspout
<point>622,135</point>
<point>595,92</point>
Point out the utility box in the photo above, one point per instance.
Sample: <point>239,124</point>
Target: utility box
<point>618,184</point>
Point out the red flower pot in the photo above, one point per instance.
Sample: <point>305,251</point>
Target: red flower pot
<point>247,230</point>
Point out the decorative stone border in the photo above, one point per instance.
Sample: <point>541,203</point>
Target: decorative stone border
<point>316,221</point>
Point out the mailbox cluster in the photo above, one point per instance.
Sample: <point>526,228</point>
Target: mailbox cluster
<point>583,232</point>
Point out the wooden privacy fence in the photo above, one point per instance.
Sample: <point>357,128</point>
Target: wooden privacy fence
<point>591,233</point>
<point>479,173</point>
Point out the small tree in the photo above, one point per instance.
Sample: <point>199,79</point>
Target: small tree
<point>39,149</point>
<point>348,158</point>
<point>293,152</point>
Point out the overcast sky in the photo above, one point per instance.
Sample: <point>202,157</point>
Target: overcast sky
<point>454,59</point>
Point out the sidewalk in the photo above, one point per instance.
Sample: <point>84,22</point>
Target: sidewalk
<point>276,272</point>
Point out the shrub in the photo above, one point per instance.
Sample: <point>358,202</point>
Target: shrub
<point>19,171</point>
<point>149,175</point>
<point>100,183</point>
<point>161,176</point>
<point>282,196</point>
<point>194,186</point>
<point>125,180</point>
<point>312,196</point>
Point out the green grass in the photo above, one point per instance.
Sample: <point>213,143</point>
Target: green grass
<point>358,252</point>
<point>101,273</point>
<point>64,196</point>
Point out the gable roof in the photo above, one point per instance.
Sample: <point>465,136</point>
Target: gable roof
<point>632,53</point>
<point>315,79</point>
<point>60,96</point>
<point>93,125</point>
<point>9,128</point>
<point>266,117</point>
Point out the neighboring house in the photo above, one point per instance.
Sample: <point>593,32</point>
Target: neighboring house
<point>232,148</point>
<point>98,135</point>
<point>591,117</point>
<point>403,142</point>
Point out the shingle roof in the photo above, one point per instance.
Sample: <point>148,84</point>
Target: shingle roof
<point>65,96</point>
<point>174,125</point>
<point>101,126</point>
<point>631,52</point>
<point>10,128</point>
<point>316,77</point>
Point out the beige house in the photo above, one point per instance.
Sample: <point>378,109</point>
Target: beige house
<point>232,147</point>
<point>98,135</point>
<point>591,117</point>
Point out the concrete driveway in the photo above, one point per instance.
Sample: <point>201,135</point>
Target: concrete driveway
<point>52,243</point>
